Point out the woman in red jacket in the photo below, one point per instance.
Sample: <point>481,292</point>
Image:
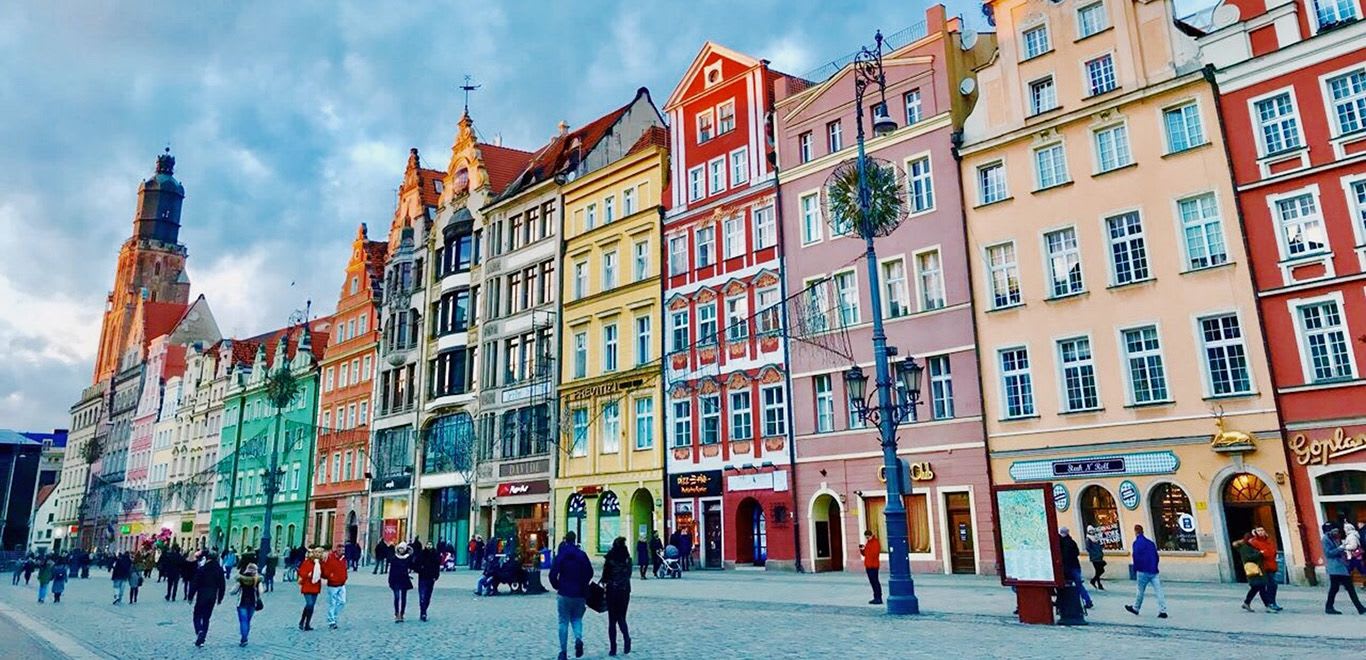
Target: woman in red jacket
<point>310,585</point>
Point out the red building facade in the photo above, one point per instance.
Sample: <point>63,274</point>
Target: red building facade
<point>1292,82</point>
<point>729,460</point>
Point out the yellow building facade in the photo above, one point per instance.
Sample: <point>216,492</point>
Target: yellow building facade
<point>609,479</point>
<point>1120,348</point>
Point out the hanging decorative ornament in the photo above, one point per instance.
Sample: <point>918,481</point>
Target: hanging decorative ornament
<point>886,201</point>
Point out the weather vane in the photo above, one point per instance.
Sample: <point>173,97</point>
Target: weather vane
<point>469,86</point>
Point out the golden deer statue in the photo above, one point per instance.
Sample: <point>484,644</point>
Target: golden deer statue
<point>1226,439</point>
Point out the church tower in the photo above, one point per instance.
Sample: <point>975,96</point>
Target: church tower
<point>151,263</point>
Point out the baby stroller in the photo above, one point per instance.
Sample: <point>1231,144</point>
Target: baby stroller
<point>670,565</point>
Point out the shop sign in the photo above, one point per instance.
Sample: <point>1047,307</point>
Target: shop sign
<point>1186,523</point>
<point>695,484</point>
<point>775,481</point>
<point>1321,450</point>
<point>589,491</point>
<point>125,529</point>
<point>1061,498</point>
<point>514,488</point>
<point>400,482</point>
<point>389,530</point>
<point>1135,464</point>
<point>186,526</point>
<point>1128,494</point>
<point>919,472</point>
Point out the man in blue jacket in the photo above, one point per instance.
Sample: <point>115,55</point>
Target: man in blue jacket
<point>1145,565</point>
<point>570,574</point>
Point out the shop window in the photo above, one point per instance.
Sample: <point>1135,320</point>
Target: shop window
<point>609,520</point>
<point>1168,504</point>
<point>1343,495</point>
<point>1098,510</point>
<point>917,521</point>
<point>1347,482</point>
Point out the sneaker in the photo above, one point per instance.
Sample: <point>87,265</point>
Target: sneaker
<point>199,641</point>
<point>1274,608</point>
<point>1326,611</point>
<point>1160,615</point>
<point>1247,608</point>
<point>1131,610</point>
<point>1090,605</point>
<point>578,648</point>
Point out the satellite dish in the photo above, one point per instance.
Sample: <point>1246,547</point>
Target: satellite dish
<point>967,39</point>
<point>887,201</point>
<point>967,87</point>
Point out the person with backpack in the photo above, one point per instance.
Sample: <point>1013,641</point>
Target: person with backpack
<point>570,573</point>
<point>616,580</point>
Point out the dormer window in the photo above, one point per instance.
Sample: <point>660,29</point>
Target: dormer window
<point>713,74</point>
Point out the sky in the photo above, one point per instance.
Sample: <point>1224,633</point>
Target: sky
<point>291,123</point>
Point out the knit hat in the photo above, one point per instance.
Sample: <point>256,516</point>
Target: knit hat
<point>402,551</point>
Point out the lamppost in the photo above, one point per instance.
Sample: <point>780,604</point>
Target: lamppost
<point>281,390</point>
<point>868,72</point>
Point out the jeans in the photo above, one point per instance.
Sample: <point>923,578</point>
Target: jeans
<point>424,593</point>
<point>42,591</point>
<point>1145,579</point>
<point>400,601</point>
<point>875,583</point>
<point>336,602</point>
<point>244,620</point>
<point>1269,592</point>
<point>1342,582</point>
<point>1074,574</point>
<point>203,610</point>
<point>570,612</point>
<point>310,600</point>
<point>617,602</point>
<point>172,586</point>
<point>118,590</point>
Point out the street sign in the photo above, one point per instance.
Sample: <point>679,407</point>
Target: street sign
<point>1186,522</point>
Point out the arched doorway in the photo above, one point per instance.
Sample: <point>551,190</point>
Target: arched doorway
<point>642,517</point>
<point>751,533</point>
<point>827,534</point>
<point>1248,504</point>
<point>609,520</point>
<point>576,509</point>
<point>352,528</point>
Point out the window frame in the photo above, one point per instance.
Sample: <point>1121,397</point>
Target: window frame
<point>1013,266</point>
<point>1096,132</point>
<point>887,298</point>
<point>1027,53</point>
<point>740,174</point>
<point>1208,385</point>
<point>815,233</point>
<point>913,179</point>
<point>765,223</point>
<point>1081,24</point>
<point>1065,176</point>
<point>982,183</point>
<point>1048,257</point>
<point>1182,107</point>
<point>708,132</point>
<point>1273,202</point>
<point>1090,80</point>
<point>1141,238</point>
<point>1085,373</point>
<point>716,176</point>
<point>1296,308</point>
<point>697,183</point>
<point>1028,408</point>
<point>1036,85</point>
<point>1259,126</point>
<point>922,293</point>
<point>1183,226</point>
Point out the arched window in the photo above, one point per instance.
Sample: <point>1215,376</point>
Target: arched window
<point>609,520</point>
<point>1169,506</point>
<point>1098,510</point>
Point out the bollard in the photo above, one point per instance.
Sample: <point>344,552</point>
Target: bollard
<point>1070,611</point>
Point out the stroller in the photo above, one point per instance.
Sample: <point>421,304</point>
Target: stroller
<point>670,566</point>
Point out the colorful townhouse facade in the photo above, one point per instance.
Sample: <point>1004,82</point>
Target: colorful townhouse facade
<point>729,463</point>
<point>609,477</point>
<point>1121,354</point>
<point>927,308</point>
<point>74,528</point>
<point>165,359</point>
<point>1291,76</point>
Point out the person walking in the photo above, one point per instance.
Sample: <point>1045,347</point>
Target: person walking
<point>352,551</point>
<point>121,570</point>
<point>1251,559</point>
<point>248,590</point>
<point>1071,564</point>
<point>1351,548</point>
<point>59,576</point>
<point>570,573</point>
<point>1095,552</point>
<point>1335,564</point>
<point>1145,566</point>
<point>685,546</point>
<point>29,564</point>
<point>189,566</point>
<point>310,585</point>
<point>616,579</point>
<point>44,578</point>
<point>400,582</point>
<point>1267,547</point>
<point>656,553</point>
<point>268,575</point>
<point>229,563</point>
<point>427,565</point>
<point>135,579</point>
<point>872,561</point>
<point>209,586</point>
<point>381,557</point>
<point>18,571</point>
<point>334,571</point>
<point>169,566</point>
<point>472,550</point>
<point>642,555</point>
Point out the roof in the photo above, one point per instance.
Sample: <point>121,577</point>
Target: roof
<point>11,437</point>
<point>42,495</point>
<point>560,153</point>
<point>503,164</point>
<point>429,178</point>
<point>654,136</point>
<point>319,333</point>
<point>175,361</point>
<point>376,252</point>
<point>160,318</point>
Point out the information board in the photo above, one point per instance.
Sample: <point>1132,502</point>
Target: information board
<point>1026,534</point>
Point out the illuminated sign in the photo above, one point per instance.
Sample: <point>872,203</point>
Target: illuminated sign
<point>514,488</point>
<point>695,484</point>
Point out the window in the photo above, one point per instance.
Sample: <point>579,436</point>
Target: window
<point>590,218</point>
<point>737,319</point>
<point>741,416</point>
<point>643,342</point>
<point>609,347</point>
<point>1098,510</point>
<point>1050,166</point>
<point>711,419</point>
<point>1324,335</point>
<point>825,404</point>
<point>941,387</point>
<point>917,521</point>
<point>1204,235</point>
<point>706,323</point>
<point>726,118</point>
<point>1064,262</point>
<point>1358,204</point>
<point>1100,74</point>
<point>767,302</point>
<point>834,135</point>
<point>628,201</point>
<point>695,184</point>
<point>678,255</point>
<point>1128,252</point>
<point>578,444</point>
<point>609,209</point>
<point>804,147</point>
<point>931,275</point>
<point>1036,41</point>
<point>739,166</point>
<point>1091,19</point>
<point>716,179</point>
<point>1112,148</point>
<point>705,128</point>
<point>911,100</point>
<point>1331,13</point>
<point>1003,274</point>
<point>611,427</point>
<point>1043,96</point>
<point>682,424</point>
<point>733,237</point>
<point>641,259</point>
<point>1348,93</point>
<point>1143,355</point>
<point>580,354</point>
<point>679,337</point>
<point>1182,125</point>
<point>580,279</point>
<point>991,182</point>
<point>645,423</point>
<point>1168,504</point>
<point>774,399</point>
<point>1301,225</point>
<point>609,270</point>
<point>1225,355</point>
<point>894,279</point>
<point>846,289</point>
<point>1078,374</point>
<point>1278,123</point>
<point>1017,383</point>
<point>811,217</point>
<point>766,228</point>
<point>706,246</point>
<point>920,184</point>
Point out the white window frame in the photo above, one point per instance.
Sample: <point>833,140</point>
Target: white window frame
<point>1058,158</point>
<point>675,317</point>
<point>1111,241</point>
<point>1082,365</point>
<point>644,339</point>
<point>705,338</point>
<point>1331,106</point>
<point>904,300</point>
<point>847,297</point>
<point>697,183</point>
<point>716,175</point>
<point>1182,225</point>
<point>834,136</point>
<point>640,263</point>
<point>678,261</point>
<point>1036,106</point>
<point>1091,88</point>
<point>1024,41</point>
<point>580,279</point>
<point>610,268</point>
<point>922,289</point>
<point>941,385</point>
<point>1028,406</point>
<point>1101,27</point>
<point>611,428</point>
<point>920,186</point>
<point>741,416</point>
<point>775,411</point>
<point>611,340</point>
<point>804,154</point>
<point>812,220</point>
<point>1203,350</point>
<point>733,236</point>
<point>1010,269</point>
<point>1119,164</point>
<point>644,418</point>
<point>919,106</point>
<point>580,354</point>
<point>709,115</point>
<point>578,442</point>
<point>1282,240</point>
<point>720,128</point>
<point>978,181</point>
<point>1294,115</point>
<point>628,202</point>
<point>765,227</point>
<point>1336,299</point>
<point>1313,11</point>
<point>1356,205</point>
<point>1048,257</point>
<point>737,317</point>
<point>824,397</point>
<point>705,238</point>
<point>1182,107</point>
<point>739,166</point>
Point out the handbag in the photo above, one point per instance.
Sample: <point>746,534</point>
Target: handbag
<point>1251,569</point>
<point>260,604</point>
<point>596,598</point>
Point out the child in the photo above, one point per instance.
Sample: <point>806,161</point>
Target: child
<point>134,582</point>
<point>1351,549</point>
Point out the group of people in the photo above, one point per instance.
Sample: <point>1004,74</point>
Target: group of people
<point>571,575</point>
<point>52,571</point>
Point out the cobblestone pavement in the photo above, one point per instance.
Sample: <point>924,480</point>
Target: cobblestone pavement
<point>722,615</point>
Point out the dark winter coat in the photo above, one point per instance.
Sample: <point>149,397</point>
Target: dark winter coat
<point>123,568</point>
<point>209,584</point>
<point>571,571</point>
<point>616,572</point>
<point>643,553</point>
<point>398,572</point>
<point>1071,554</point>
<point>427,565</point>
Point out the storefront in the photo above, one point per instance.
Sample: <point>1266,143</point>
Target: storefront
<point>390,508</point>
<point>449,511</point>
<point>598,514</point>
<point>1330,480</point>
<point>520,516</point>
<point>695,499</point>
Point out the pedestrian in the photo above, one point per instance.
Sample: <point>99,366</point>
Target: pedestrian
<point>570,573</point>
<point>169,565</point>
<point>1267,547</point>
<point>59,575</point>
<point>29,564</point>
<point>616,579</point>
<point>685,547</point>
<point>229,562</point>
<point>656,553</point>
<point>352,555</point>
<point>44,578</point>
<point>642,555</point>
<point>1251,559</point>
<point>334,572</point>
<point>1351,548</point>
<point>400,582</point>
<point>249,599</point>
<point>427,565</point>
<point>381,557</point>
<point>1071,564</point>
<point>135,579</point>
<point>1335,564</point>
<point>189,566</point>
<point>872,561</point>
<point>209,585</point>
<point>119,572</point>
<point>272,563</point>
<point>472,551</point>
<point>18,572</point>
<point>1145,566</point>
<point>1095,552</point>
<point>310,585</point>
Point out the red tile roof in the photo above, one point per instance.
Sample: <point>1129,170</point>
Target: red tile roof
<point>43,494</point>
<point>175,361</point>
<point>244,350</point>
<point>559,153</point>
<point>503,164</point>
<point>160,318</point>
<point>376,253</point>
<point>429,178</point>
<point>654,136</point>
